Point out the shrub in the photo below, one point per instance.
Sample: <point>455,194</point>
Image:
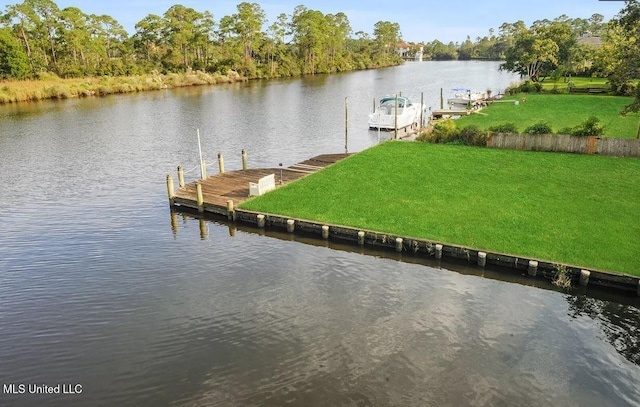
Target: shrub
<point>504,128</point>
<point>590,127</point>
<point>539,128</point>
<point>473,136</point>
<point>444,131</point>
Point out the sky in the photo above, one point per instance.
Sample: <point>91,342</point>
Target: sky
<point>420,20</point>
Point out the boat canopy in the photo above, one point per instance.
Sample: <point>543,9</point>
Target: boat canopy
<point>402,101</point>
<point>461,90</point>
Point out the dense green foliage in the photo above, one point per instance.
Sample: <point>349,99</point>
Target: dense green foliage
<point>570,208</point>
<point>561,111</point>
<point>70,43</point>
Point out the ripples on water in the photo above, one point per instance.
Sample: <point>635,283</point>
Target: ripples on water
<point>96,288</point>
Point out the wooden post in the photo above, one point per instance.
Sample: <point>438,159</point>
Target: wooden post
<point>170,190</point>
<point>230,210</point>
<point>221,162</point>
<point>244,159</point>
<point>199,197</point>
<point>638,135</point>
<point>203,169</point>
<point>438,251</point>
<point>261,221</point>
<point>533,268</point>
<point>360,238</point>
<point>346,125</point>
<point>395,133</point>
<point>291,225</point>
<point>441,100</point>
<point>374,105</point>
<point>584,277</point>
<point>180,176</point>
<point>325,232</point>
<point>398,244</point>
<point>482,259</point>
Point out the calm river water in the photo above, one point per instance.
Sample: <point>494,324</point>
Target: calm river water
<point>98,289</point>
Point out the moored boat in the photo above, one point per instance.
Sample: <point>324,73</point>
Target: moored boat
<point>395,112</point>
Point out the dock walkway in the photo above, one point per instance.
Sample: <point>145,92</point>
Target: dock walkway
<point>218,189</point>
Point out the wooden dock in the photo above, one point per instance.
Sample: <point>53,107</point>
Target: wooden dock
<point>218,189</point>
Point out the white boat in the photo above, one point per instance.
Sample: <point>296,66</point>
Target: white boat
<point>464,98</point>
<point>387,117</point>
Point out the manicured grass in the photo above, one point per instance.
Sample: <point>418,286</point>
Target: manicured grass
<point>567,208</point>
<point>559,111</point>
<point>577,81</point>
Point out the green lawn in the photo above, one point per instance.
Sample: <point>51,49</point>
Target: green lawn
<point>569,208</point>
<point>559,111</point>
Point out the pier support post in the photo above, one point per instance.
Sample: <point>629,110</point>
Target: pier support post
<point>261,221</point>
<point>532,270</point>
<point>203,169</point>
<point>170,191</point>
<point>231,213</point>
<point>221,162</point>
<point>325,232</point>
<point>639,288</point>
<point>361,238</point>
<point>482,259</point>
<point>291,225</point>
<point>438,251</point>
<point>399,244</point>
<point>199,197</point>
<point>244,159</point>
<point>180,176</point>
<point>584,277</point>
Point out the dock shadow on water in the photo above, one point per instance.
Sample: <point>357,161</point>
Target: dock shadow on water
<point>392,328</point>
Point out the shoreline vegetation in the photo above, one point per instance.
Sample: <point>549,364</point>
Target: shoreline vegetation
<point>53,87</point>
<point>558,207</point>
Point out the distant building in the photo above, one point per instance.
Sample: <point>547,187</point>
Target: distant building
<point>402,49</point>
<point>589,39</point>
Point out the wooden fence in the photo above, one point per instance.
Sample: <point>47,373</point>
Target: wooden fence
<point>618,147</point>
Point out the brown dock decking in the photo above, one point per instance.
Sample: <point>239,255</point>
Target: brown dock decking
<point>234,185</point>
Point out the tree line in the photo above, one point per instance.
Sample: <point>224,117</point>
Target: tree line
<point>37,36</point>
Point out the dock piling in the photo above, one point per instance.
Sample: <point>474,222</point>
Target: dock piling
<point>199,197</point>
<point>261,222</point>
<point>170,190</point>
<point>291,225</point>
<point>325,232</point>
<point>438,251</point>
<point>482,259</point>
<point>399,244</point>
<point>361,238</point>
<point>532,270</point>
<point>244,159</point>
<point>230,210</point>
<point>584,277</point>
<point>221,163</point>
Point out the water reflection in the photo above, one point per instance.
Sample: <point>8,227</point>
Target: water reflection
<point>620,323</point>
<point>617,314</point>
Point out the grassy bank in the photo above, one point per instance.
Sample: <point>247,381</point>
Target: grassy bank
<point>559,111</point>
<point>575,209</point>
<point>52,87</point>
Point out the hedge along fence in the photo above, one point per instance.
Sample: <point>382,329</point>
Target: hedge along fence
<point>566,144</point>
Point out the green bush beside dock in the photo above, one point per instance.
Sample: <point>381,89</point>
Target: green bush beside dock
<point>565,208</point>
